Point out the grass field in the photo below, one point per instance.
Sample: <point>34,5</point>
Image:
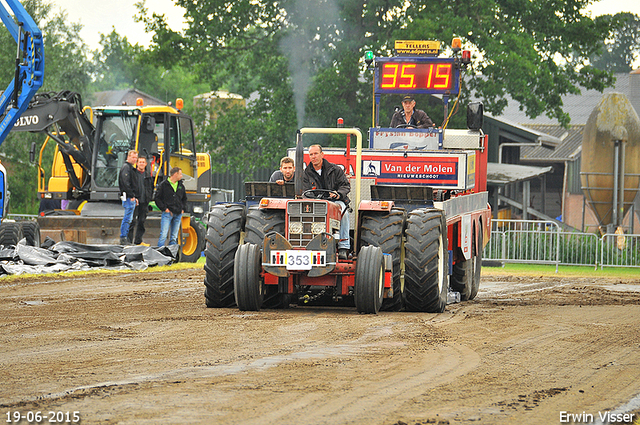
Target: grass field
<point>507,269</point>
<point>564,271</point>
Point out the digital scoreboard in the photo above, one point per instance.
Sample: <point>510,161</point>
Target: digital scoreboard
<point>417,75</point>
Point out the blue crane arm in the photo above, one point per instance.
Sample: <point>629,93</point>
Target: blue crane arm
<point>29,72</point>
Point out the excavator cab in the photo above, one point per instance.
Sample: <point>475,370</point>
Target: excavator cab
<point>117,131</point>
<point>159,132</point>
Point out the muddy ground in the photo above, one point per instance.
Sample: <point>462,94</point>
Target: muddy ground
<point>142,348</point>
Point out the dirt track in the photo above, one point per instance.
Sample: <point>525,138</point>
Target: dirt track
<point>142,348</point>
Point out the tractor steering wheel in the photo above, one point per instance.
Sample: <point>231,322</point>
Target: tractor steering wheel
<point>404,126</point>
<point>319,194</point>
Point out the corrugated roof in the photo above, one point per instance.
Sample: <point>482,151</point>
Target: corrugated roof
<point>516,132</point>
<point>565,151</point>
<point>501,174</point>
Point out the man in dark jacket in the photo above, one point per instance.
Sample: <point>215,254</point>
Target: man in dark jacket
<point>145,184</point>
<point>321,174</point>
<point>410,117</point>
<point>286,173</point>
<point>171,199</point>
<point>128,182</point>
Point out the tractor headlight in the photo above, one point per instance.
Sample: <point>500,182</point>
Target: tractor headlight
<point>317,228</point>
<point>295,227</point>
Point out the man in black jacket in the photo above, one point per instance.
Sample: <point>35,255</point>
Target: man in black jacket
<point>409,116</point>
<point>128,182</point>
<point>171,199</point>
<point>321,174</point>
<point>145,184</point>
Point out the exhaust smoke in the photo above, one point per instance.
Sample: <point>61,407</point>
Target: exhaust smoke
<point>313,27</point>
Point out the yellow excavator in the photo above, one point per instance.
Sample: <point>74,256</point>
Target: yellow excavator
<point>91,145</point>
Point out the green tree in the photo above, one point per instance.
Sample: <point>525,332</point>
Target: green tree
<point>117,64</point>
<point>536,52</point>
<point>121,65</point>
<point>306,56</point>
<point>622,48</point>
<point>67,66</point>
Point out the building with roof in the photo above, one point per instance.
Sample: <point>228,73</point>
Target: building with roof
<point>543,142</point>
<point>580,106</point>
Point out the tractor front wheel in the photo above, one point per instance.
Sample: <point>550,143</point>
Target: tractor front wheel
<point>369,285</point>
<point>260,222</point>
<point>384,229</point>
<point>248,286</point>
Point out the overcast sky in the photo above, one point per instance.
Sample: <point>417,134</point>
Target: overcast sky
<point>100,16</point>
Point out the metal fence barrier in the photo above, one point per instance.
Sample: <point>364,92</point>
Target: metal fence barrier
<point>523,241</point>
<point>579,249</point>
<point>544,242</point>
<point>620,250</point>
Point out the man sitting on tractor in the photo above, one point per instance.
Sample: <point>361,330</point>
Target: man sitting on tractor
<point>321,174</point>
<point>409,116</point>
<point>286,173</point>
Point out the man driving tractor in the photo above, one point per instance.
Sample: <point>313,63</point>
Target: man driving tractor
<point>321,174</point>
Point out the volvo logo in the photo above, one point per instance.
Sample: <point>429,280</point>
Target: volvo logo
<point>26,121</point>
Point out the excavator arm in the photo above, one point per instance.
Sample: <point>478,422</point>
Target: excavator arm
<point>60,116</point>
<point>29,71</point>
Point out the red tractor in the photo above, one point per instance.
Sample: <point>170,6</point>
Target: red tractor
<point>421,217</point>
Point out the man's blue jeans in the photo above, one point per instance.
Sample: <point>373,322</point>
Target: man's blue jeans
<point>169,221</point>
<point>344,227</point>
<point>129,205</point>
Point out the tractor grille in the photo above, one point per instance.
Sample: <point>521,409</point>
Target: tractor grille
<point>306,213</point>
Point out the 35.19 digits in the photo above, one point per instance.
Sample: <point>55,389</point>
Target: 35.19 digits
<point>44,417</point>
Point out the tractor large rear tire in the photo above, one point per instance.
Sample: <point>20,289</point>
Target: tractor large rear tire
<point>10,233</point>
<point>31,232</point>
<point>223,237</point>
<point>262,221</point>
<point>248,286</point>
<point>385,230</point>
<point>369,285</point>
<point>259,223</point>
<point>194,244</point>
<point>466,274</point>
<point>426,262</point>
